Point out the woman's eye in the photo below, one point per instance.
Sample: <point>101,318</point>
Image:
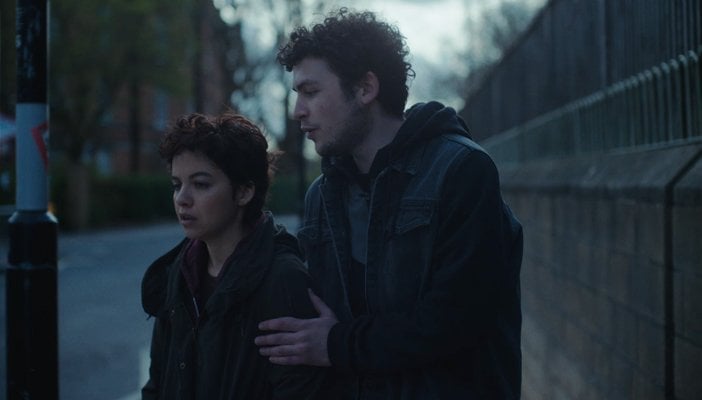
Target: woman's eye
<point>201,185</point>
<point>176,186</point>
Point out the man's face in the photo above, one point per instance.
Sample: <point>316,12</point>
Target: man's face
<point>334,120</point>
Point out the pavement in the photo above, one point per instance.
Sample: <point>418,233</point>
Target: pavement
<point>104,334</point>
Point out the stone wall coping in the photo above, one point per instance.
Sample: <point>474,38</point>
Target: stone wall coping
<point>640,175</point>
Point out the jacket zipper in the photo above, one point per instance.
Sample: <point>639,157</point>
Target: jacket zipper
<point>336,250</point>
<point>370,213</point>
<point>197,310</point>
<point>368,227</point>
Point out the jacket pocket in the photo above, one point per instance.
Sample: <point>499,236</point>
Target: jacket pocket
<point>313,234</point>
<point>313,237</point>
<point>407,255</point>
<point>414,213</point>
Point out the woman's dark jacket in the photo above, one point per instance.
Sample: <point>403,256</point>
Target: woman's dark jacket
<point>442,253</point>
<point>210,354</point>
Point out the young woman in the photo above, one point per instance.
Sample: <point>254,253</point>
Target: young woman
<point>235,268</point>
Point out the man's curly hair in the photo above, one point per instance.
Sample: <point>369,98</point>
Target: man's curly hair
<point>233,143</point>
<point>354,43</point>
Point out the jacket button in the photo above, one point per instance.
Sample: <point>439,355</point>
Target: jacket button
<point>182,365</point>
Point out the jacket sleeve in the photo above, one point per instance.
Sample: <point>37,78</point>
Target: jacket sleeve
<point>290,298</point>
<point>150,391</point>
<point>474,287</point>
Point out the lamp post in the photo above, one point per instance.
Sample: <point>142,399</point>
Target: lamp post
<point>31,276</point>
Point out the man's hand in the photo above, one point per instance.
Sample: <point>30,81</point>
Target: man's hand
<point>298,341</point>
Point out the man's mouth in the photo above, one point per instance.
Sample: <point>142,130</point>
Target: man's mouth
<point>307,129</point>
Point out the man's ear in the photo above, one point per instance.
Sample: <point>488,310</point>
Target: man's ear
<point>244,193</point>
<point>368,87</point>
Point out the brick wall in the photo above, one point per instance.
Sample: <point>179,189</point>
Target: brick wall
<point>612,274</point>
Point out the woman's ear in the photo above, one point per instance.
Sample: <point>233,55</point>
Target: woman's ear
<point>244,193</point>
<point>368,88</point>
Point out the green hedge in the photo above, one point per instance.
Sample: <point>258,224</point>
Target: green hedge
<point>116,200</point>
<point>131,199</point>
<point>283,196</point>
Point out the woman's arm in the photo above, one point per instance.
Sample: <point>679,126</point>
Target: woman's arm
<point>290,297</point>
<point>150,391</point>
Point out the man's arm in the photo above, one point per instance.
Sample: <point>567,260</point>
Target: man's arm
<point>289,296</point>
<point>471,282</point>
<point>300,341</point>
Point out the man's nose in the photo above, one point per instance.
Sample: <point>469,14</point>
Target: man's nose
<point>300,110</point>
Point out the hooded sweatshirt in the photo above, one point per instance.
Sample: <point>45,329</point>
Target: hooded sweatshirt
<point>203,347</point>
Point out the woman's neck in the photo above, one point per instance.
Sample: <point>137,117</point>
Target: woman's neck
<point>221,248</point>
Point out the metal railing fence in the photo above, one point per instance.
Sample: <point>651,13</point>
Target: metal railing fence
<point>661,105</point>
<point>591,76</point>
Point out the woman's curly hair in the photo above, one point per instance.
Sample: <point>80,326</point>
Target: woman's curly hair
<point>233,143</point>
<point>354,43</point>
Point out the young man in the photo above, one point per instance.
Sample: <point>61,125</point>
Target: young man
<point>405,232</point>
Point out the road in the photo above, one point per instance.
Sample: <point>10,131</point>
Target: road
<point>104,333</point>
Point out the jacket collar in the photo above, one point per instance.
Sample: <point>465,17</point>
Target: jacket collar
<point>243,272</point>
<point>153,285</point>
<point>423,122</point>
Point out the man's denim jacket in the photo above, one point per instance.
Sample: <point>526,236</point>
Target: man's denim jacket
<point>442,277</point>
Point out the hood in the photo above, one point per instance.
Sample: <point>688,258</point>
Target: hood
<point>254,255</point>
<point>243,272</point>
<point>153,285</point>
<point>423,121</point>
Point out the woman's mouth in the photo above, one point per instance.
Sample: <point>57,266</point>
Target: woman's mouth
<point>186,219</point>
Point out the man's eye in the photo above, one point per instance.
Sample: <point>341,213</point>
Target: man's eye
<point>201,185</point>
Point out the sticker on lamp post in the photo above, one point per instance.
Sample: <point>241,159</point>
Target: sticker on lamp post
<point>33,159</point>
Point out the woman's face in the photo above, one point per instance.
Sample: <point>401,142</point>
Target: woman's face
<point>203,198</point>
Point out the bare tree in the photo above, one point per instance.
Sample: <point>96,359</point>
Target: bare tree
<point>261,87</point>
<point>97,50</point>
<point>490,33</point>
